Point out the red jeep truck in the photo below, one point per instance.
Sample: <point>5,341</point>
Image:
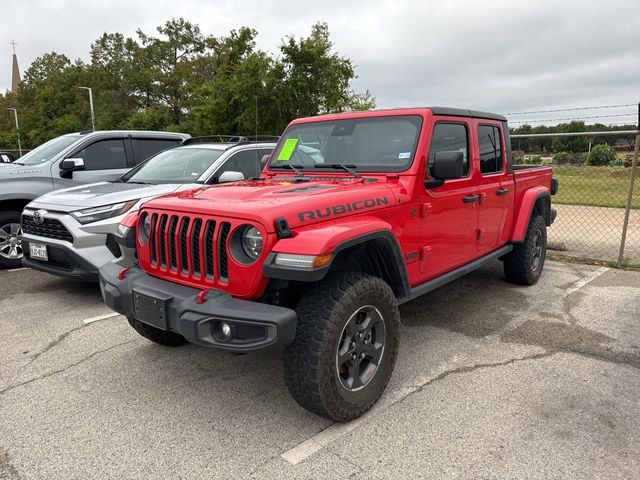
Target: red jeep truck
<point>354,214</point>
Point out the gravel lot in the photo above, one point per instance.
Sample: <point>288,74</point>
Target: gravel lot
<point>492,381</point>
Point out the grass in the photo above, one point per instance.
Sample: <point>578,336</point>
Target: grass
<point>595,186</point>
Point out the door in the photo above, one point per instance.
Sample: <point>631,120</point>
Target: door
<point>495,187</point>
<point>103,160</point>
<point>449,219</point>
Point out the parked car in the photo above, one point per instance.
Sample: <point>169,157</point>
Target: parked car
<point>70,232</point>
<point>66,161</point>
<point>7,157</point>
<point>317,255</point>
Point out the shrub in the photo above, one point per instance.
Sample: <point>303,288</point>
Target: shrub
<point>562,158</point>
<point>601,155</point>
<point>534,160</point>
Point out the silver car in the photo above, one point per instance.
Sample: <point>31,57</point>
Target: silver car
<point>71,232</point>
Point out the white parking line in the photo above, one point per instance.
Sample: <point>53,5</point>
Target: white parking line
<point>584,280</point>
<point>17,269</point>
<point>100,317</point>
<point>323,438</point>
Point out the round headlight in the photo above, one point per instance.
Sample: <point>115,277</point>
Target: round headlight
<point>144,228</point>
<point>251,242</point>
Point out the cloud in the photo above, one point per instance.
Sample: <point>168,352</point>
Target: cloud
<point>496,55</point>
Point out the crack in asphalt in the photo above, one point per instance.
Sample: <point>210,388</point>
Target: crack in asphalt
<point>7,470</point>
<point>54,343</point>
<point>472,368</point>
<point>61,370</point>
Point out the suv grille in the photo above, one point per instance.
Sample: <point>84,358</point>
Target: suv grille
<point>191,247</point>
<point>51,228</point>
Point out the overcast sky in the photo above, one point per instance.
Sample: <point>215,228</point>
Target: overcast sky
<point>496,55</point>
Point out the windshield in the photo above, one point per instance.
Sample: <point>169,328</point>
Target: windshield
<point>373,144</point>
<point>47,151</point>
<point>176,165</point>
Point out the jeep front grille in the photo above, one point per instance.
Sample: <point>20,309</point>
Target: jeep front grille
<point>191,247</point>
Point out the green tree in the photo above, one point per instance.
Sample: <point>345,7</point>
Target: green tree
<point>574,143</point>
<point>601,155</point>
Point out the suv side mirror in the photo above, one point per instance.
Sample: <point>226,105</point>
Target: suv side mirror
<point>71,164</point>
<point>230,176</point>
<point>446,166</point>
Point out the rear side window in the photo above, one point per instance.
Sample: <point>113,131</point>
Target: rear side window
<point>148,147</point>
<point>103,155</point>
<point>449,137</point>
<point>490,144</point>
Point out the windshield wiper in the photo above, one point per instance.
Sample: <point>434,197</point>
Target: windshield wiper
<point>337,166</point>
<point>295,168</point>
<point>140,183</point>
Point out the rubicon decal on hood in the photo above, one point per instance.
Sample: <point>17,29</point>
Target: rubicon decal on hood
<point>343,208</point>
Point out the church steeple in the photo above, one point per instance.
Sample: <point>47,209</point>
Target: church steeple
<point>15,72</point>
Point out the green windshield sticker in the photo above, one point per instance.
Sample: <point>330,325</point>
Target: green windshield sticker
<point>287,149</point>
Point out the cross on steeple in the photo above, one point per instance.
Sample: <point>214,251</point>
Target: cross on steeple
<point>13,44</point>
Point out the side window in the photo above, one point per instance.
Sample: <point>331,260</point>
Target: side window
<point>448,137</point>
<point>103,155</point>
<point>148,147</point>
<point>490,145</point>
<point>246,161</point>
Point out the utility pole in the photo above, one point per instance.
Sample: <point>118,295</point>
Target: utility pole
<point>93,120</point>
<point>15,116</point>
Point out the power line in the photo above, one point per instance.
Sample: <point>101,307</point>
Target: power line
<point>574,118</point>
<point>573,109</point>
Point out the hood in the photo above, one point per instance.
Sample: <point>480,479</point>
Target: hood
<point>9,171</point>
<point>300,203</point>
<point>98,194</point>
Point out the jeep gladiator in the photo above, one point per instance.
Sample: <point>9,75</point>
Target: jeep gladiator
<point>354,214</point>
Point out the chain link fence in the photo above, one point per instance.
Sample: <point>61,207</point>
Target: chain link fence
<point>593,205</point>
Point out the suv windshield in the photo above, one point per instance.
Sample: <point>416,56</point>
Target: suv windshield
<point>176,165</point>
<point>47,151</point>
<point>372,144</point>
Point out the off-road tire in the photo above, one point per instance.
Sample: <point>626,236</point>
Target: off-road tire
<point>310,363</point>
<point>520,264</point>
<point>6,218</point>
<point>161,337</point>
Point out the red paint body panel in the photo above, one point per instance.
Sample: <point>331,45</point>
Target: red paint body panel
<point>435,230</point>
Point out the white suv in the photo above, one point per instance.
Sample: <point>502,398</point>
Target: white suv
<point>71,232</point>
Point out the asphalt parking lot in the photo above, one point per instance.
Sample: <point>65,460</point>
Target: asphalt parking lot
<point>492,381</point>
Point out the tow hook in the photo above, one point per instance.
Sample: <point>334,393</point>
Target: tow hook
<point>123,273</point>
<point>200,299</point>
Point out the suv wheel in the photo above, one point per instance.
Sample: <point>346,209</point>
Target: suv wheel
<point>523,265</point>
<point>10,240</point>
<point>345,347</point>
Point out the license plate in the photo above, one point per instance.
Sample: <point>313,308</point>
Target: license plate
<point>150,309</point>
<point>38,251</point>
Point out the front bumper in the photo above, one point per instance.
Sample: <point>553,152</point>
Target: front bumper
<point>63,261</point>
<point>254,325</point>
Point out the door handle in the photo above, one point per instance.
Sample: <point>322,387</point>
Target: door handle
<point>502,191</point>
<point>471,198</point>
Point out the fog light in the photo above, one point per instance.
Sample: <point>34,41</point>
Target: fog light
<point>225,328</point>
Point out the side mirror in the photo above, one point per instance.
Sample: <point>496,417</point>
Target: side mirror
<point>448,165</point>
<point>230,176</point>
<point>71,164</point>
<point>264,160</point>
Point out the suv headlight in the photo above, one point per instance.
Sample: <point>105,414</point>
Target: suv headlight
<point>246,244</point>
<point>95,214</point>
